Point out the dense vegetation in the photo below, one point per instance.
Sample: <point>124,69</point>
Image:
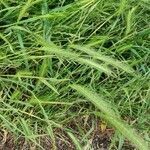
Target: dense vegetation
<point>69,68</point>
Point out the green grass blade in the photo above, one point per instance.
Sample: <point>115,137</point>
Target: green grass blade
<point>24,9</point>
<point>6,40</point>
<point>129,20</point>
<point>110,116</point>
<point>49,85</point>
<point>52,136</point>
<point>75,141</point>
<point>52,48</point>
<point>104,58</point>
<point>127,132</point>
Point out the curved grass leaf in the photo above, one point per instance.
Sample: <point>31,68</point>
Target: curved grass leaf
<point>110,116</point>
<point>69,55</point>
<point>104,58</point>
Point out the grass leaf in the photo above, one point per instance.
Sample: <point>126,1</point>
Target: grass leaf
<point>104,58</point>
<point>75,141</point>
<point>111,117</point>
<point>49,85</point>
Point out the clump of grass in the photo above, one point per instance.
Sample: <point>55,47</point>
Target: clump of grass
<point>46,46</point>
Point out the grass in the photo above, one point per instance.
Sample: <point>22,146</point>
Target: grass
<point>67,66</point>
